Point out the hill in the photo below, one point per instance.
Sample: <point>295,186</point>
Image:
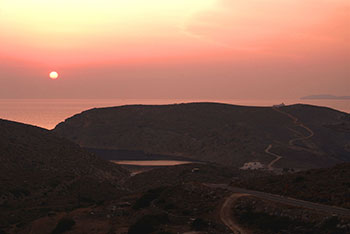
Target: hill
<point>304,136</point>
<point>329,186</point>
<point>41,173</point>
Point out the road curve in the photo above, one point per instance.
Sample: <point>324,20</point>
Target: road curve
<point>292,141</point>
<point>286,200</point>
<point>227,217</point>
<point>297,123</point>
<point>278,157</point>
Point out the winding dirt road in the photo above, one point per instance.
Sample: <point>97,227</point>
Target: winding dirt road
<point>292,141</point>
<point>227,218</point>
<point>226,215</point>
<point>297,123</point>
<point>278,157</point>
<point>286,200</point>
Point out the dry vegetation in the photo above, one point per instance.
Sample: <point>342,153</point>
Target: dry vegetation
<point>328,186</point>
<point>41,173</point>
<point>269,218</point>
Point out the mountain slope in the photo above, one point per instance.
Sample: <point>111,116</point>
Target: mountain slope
<point>40,172</point>
<point>330,186</point>
<point>221,133</point>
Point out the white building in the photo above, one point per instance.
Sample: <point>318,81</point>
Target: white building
<point>252,166</point>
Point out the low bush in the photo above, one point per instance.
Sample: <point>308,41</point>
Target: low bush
<point>18,192</point>
<point>148,224</point>
<point>65,224</point>
<point>266,222</point>
<point>200,224</point>
<point>145,200</point>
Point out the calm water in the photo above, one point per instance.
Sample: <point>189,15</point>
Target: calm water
<point>47,113</point>
<point>149,163</point>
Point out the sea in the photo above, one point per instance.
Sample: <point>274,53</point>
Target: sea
<point>47,113</point>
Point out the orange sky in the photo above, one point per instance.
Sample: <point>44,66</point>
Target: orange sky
<point>174,49</point>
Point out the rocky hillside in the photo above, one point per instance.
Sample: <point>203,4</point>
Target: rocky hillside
<point>330,186</point>
<point>40,172</point>
<point>304,136</point>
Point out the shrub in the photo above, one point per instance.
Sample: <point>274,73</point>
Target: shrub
<point>145,200</point>
<point>330,223</point>
<point>147,224</point>
<point>199,224</point>
<point>186,212</point>
<point>266,222</point>
<point>18,192</point>
<point>169,206</point>
<point>299,179</point>
<point>65,224</point>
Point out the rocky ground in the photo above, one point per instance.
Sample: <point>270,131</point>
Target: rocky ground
<point>267,217</point>
<point>172,209</point>
<point>330,186</point>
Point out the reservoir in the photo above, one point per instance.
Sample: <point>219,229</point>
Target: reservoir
<point>151,163</point>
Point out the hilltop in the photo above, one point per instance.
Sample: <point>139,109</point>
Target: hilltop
<point>42,173</point>
<point>304,136</point>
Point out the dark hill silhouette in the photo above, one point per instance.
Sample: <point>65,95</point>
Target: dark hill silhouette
<point>40,172</point>
<point>305,136</point>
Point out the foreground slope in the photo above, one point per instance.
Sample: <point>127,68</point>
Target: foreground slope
<point>329,186</point>
<point>179,200</point>
<point>40,172</point>
<point>222,133</point>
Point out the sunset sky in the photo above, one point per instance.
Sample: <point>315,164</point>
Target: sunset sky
<point>174,48</point>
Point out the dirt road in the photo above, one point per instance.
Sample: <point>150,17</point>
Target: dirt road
<point>278,157</point>
<point>286,200</point>
<point>226,215</point>
<point>292,141</point>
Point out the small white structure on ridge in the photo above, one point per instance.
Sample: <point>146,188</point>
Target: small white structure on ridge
<point>252,166</point>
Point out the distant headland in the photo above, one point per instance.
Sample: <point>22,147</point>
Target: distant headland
<point>326,96</point>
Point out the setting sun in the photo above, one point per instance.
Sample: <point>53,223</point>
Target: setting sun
<point>53,75</point>
<point>171,116</point>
